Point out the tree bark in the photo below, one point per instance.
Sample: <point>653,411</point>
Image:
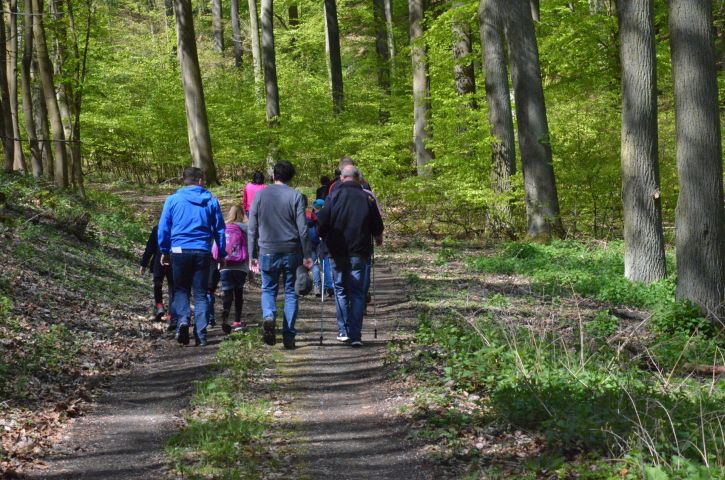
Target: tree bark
<point>503,148</point>
<point>45,70</point>
<point>256,50</point>
<point>388,5</point>
<point>463,72</point>
<point>217,25</point>
<point>79,78</point>
<point>644,246</point>
<point>699,224</point>
<point>270,62</point>
<point>421,88</point>
<point>293,13</point>
<point>236,32</point>
<point>12,46</point>
<point>381,46</point>
<point>542,203</point>
<point>41,120</point>
<point>6,124</point>
<point>196,116</point>
<point>36,158</point>
<point>535,10</point>
<point>333,44</point>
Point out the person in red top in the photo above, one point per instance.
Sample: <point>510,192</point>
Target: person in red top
<point>251,189</point>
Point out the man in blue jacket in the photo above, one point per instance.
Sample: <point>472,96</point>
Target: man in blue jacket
<point>190,220</point>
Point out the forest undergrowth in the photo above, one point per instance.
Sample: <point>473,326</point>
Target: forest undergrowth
<point>72,307</point>
<point>541,361</point>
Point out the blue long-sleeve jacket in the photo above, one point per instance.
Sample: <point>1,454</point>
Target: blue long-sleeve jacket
<point>190,220</point>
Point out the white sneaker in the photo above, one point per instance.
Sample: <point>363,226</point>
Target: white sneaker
<point>342,338</point>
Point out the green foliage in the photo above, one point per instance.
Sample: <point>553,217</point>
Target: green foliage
<point>603,325</point>
<point>680,316</point>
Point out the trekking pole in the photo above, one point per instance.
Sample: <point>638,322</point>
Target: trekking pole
<point>322,296</point>
<point>375,298</point>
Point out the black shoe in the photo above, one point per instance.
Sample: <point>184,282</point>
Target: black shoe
<point>368,298</point>
<point>171,327</point>
<point>330,292</point>
<point>356,344</point>
<point>159,312</point>
<point>268,333</point>
<point>289,343</point>
<point>182,336</point>
<point>226,328</point>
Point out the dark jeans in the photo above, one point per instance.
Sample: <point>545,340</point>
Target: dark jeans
<point>272,266</point>
<point>233,288</point>
<point>191,274</point>
<point>349,279</point>
<point>159,275</point>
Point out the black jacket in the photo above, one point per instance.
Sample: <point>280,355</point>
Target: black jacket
<point>348,221</point>
<point>151,255</point>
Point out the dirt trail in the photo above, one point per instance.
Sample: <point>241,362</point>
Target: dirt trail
<point>342,409</point>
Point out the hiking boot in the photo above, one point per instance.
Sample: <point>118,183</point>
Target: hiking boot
<point>172,326</point>
<point>356,343</point>
<point>202,343</point>
<point>159,311</point>
<point>182,336</point>
<point>329,292</point>
<point>226,328</point>
<point>268,334</point>
<point>288,342</point>
<point>318,291</point>
<point>343,338</point>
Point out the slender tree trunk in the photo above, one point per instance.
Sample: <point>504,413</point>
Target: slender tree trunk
<point>217,25</point>
<point>270,62</point>
<point>388,6</point>
<point>421,88</point>
<point>41,121</point>
<point>12,47</point>
<point>542,203</point>
<point>644,245</point>
<point>45,70</point>
<point>333,44</point>
<point>700,228</point>
<point>196,117</point>
<point>256,49</point>
<point>293,13</point>
<point>169,7</point>
<point>36,158</point>
<point>79,78</point>
<point>236,32</point>
<point>463,72</point>
<point>535,10</point>
<point>381,46</point>
<point>498,97</point>
<point>6,125</point>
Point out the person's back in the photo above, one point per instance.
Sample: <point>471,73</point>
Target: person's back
<point>250,191</point>
<point>274,224</point>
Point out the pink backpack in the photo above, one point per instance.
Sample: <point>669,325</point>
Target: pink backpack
<point>236,244</point>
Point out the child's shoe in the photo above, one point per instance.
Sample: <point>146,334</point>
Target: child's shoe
<point>159,311</point>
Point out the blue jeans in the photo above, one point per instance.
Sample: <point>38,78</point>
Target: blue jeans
<point>191,274</point>
<point>328,273</point>
<point>349,279</point>
<point>272,266</point>
<point>316,281</point>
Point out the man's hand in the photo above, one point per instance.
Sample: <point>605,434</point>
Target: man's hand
<point>165,259</point>
<point>254,265</point>
<point>379,240</point>
<point>141,271</point>
<point>307,262</point>
<point>222,263</point>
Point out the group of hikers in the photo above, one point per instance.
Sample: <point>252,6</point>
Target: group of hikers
<point>273,235</point>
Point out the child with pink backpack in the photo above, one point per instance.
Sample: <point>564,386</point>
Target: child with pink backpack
<point>235,270</point>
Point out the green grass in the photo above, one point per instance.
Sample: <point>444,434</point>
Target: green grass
<point>223,435</point>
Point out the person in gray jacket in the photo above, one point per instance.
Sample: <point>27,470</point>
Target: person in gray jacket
<point>278,244</point>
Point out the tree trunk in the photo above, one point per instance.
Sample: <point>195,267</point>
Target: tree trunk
<point>41,121</point>
<point>463,62</point>
<point>236,32</point>
<point>6,124</point>
<point>535,10</point>
<point>169,7</point>
<point>270,62</point>
<point>217,26</point>
<point>503,148</point>
<point>293,13</point>
<point>644,246</point>
<point>196,117</point>
<point>256,50</point>
<point>12,46</point>
<point>333,44</point>
<point>79,78</point>
<point>700,228</point>
<point>36,158</point>
<point>542,203</point>
<point>421,88</point>
<point>389,28</point>
<point>45,71</point>
<point>381,46</point>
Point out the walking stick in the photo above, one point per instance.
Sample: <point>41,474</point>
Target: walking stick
<point>375,299</point>
<point>322,296</point>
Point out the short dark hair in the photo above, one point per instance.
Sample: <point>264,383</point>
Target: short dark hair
<point>258,178</point>
<point>192,175</point>
<point>283,171</point>
<point>324,180</point>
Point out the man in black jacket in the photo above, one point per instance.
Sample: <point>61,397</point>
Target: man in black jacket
<point>348,223</point>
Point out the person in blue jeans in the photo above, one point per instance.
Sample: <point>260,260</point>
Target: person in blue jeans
<point>348,222</point>
<point>190,220</point>
<point>279,243</point>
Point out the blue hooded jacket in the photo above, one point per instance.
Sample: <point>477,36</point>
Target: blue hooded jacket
<point>190,220</point>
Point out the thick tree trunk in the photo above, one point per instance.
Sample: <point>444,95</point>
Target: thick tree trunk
<point>270,62</point>
<point>196,117</point>
<point>421,88</point>
<point>333,44</point>
<point>542,203</point>
<point>45,70</point>
<point>217,25</point>
<point>498,95</point>
<point>6,124</point>
<point>41,121</point>
<point>463,72</point>
<point>256,49</point>
<point>36,158</point>
<point>12,46</point>
<point>236,32</point>
<point>700,219</point>
<point>644,246</point>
